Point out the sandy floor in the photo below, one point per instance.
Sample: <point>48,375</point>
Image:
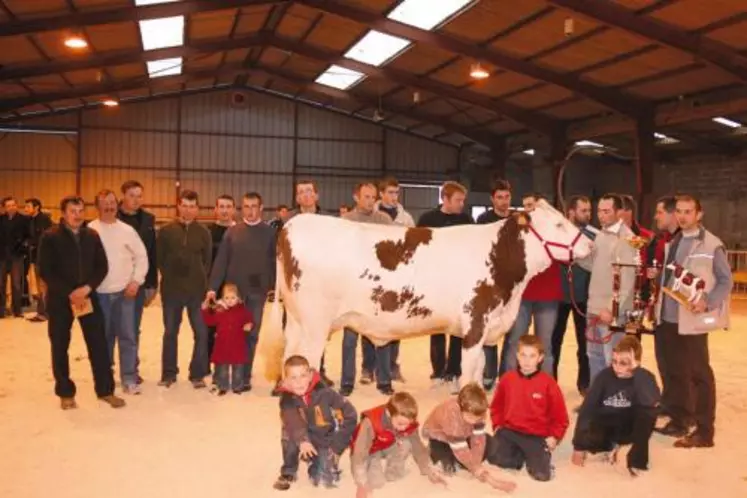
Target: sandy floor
<point>180,442</point>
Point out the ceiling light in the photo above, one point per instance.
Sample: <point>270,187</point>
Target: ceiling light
<point>76,42</point>
<point>664,139</point>
<point>478,72</point>
<point>110,103</point>
<point>164,67</point>
<point>727,122</point>
<point>151,2</point>
<point>529,152</point>
<point>588,143</point>
<point>339,77</point>
<point>427,14</point>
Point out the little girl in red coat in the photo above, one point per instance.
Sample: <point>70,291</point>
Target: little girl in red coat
<point>232,321</point>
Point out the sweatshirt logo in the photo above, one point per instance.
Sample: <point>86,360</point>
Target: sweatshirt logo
<point>619,400</point>
<point>536,395</point>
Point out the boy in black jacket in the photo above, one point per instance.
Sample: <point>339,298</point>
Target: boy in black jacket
<point>73,264</point>
<point>318,424</point>
<point>620,408</point>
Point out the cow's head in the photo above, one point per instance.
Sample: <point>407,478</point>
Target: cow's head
<point>560,239</point>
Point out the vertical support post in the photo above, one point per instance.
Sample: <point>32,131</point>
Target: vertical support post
<point>178,183</point>
<point>645,158</point>
<point>558,153</point>
<point>79,150</point>
<point>294,171</point>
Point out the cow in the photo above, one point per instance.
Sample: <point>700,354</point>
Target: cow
<point>389,282</point>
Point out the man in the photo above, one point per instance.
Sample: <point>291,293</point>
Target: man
<point>539,304</point>
<point>281,216</point>
<point>184,252</point>
<point>667,227</point>
<point>685,328</point>
<point>610,246</point>
<point>225,211</point>
<point>628,216</point>
<point>500,196</point>
<point>575,299</point>
<point>73,264</point>
<point>389,204</point>
<point>246,258</point>
<point>378,359</point>
<point>144,223</point>
<point>449,213</point>
<point>39,222</point>
<point>14,236</point>
<point>128,264</point>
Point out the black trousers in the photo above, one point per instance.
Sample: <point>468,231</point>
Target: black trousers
<point>12,266</point>
<point>692,386</point>
<point>442,454</point>
<point>660,342</point>
<point>631,426</point>
<point>59,327</point>
<point>446,367</point>
<point>322,467</point>
<point>511,450</point>
<point>579,324</point>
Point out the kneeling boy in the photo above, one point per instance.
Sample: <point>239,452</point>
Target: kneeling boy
<point>528,414</point>
<point>388,434</point>
<point>456,435</point>
<point>620,408</point>
<point>317,425</point>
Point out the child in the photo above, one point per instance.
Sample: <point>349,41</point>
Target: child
<point>233,321</point>
<point>620,408</point>
<point>317,425</point>
<point>456,435</point>
<point>388,433</point>
<point>528,414</point>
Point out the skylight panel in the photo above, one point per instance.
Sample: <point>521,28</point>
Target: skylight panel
<point>151,2</point>
<point>427,14</point>
<point>727,122</point>
<point>339,77</point>
<point>164,67</point>
<point>163,32</point>
<point>376,48</point>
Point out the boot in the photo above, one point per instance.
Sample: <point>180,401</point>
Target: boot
<point>113,401</point>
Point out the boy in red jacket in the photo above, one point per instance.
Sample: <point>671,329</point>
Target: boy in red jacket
<point>232,321</point>
<point>388,434</point>
<point>528,414</point>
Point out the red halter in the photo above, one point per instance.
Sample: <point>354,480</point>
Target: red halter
<point>547,245</point>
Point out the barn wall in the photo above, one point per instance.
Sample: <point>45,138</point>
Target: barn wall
<point>201,142</point>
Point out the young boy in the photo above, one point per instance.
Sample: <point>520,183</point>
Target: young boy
<point>528,414</point>
<point>388,434</point>
<point>456,435</point>
<point>317,425</point>
<point>620,408</point>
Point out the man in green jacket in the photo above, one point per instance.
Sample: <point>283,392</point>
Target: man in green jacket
<point>184,250</point>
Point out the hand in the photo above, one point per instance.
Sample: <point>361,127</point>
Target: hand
<point>306,450</point>
<point>605,317</point>
<point>498,483</point>
<point>579,458</point>
<point>700,306</point>
<point>150,295</point>
<point>436,477</point>
<point>131,290</point>
<point>361,492</point>
<point>551,443</point>
<point>482,474</point>
<point>248,327</point>
<point>210,296</point>
<point>79,295</point>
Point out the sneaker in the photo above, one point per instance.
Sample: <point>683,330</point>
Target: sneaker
<point>283,483</point>
<point>366,377</point>
<point>113,401</point>
<point>199,384</point>
<point>68,403</point>
<point>673,429</point>
<point>132,389</point>
<point>437,382</point>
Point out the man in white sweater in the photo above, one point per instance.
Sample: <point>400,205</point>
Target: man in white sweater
<point>128,266</point>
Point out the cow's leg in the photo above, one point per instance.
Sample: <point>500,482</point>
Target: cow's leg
<point>473,363</point>
<point>293,337</point>
<point>314,331</point>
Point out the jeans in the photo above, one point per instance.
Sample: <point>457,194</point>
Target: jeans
<point>139,306</point>
<point>229,376</point>
<point>375,360</point>
<point>600,348</point>
<point>256,305</point>
<point>173,307</point>
<point>59,324</point>
<point>11,266</point>
<point>545,315</point>
<point>579,324</point>
<point>119,327</point>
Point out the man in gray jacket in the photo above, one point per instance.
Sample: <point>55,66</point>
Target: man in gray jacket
<point>246,258</point>
<point>610,246</point>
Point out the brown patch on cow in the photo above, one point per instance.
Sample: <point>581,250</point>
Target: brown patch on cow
<point>507,267</point>
<point>391,254</point>
<point>391,301</point>
<point>291,269</point>
<point>369,276</point>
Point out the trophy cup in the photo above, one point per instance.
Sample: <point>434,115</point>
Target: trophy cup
<point>687,288</point>
<point>633,319</point>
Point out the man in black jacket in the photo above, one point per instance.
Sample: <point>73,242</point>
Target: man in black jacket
<point>38,223</point>
<point>73,263</point>
<point>14,234</point>
<point>144,223</point>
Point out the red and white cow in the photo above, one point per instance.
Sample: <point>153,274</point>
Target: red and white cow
<point>390,282</point>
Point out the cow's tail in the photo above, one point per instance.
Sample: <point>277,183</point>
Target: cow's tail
<point>275,340</point>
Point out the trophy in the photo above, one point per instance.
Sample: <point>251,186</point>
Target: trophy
<point>640,317</point>
<point>687,288</point>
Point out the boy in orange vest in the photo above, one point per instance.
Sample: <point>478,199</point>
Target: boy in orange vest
<point>388,434</point>
<point>317,425</point>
